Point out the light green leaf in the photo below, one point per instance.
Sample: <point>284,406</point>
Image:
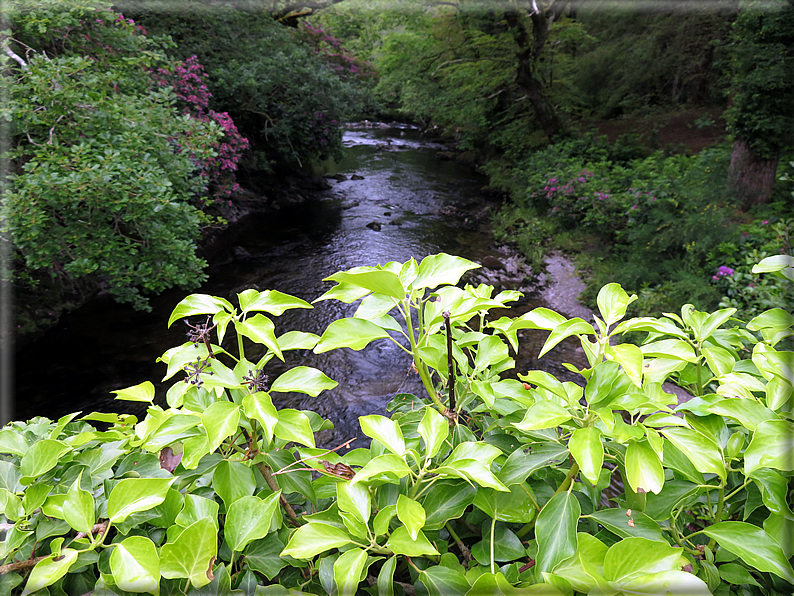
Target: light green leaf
<point>669,583</point>
<point>385,430</point>
<point>261,330</point>
<point>41,457</point>
<point>446,500</point>
<point>373,279</point>
<point>555,530</point>
<point>141,392</point>
<point>191,554</point>
<point>13,442</point>
<point>401,543</point>
<point>753,545</point>
<point>374,306</point>
<point>747,412</point>
<point>50,570</point>
<point>440,269</point>
<point>249,519</point>
<point>314,538</point>
<point>355,499</point>
<point>220,420</point>
<point>411,514</point>
<point>348,569</point>
<point>136,494</point>
<point>78,508</point>
<point>294,425</point>
<point>782,263</point>
<point>772,446</point>
<point>775,318</point>
<point>515,506</point>
<point>643,468</point>
<point>521,464</point>
<point>233,480</point>
<point>270,301</point>
<point>612,301</point>
<point>135,565</point>
<point>704,453</point>
<point>385,467</point>
<point>196,508</point>
<point>629,357</point>
<point>670,348</point>
<point>303,379</point>
<point>444,581</point>
<point>543,414</point>
<point>258,406</point>
<point>616,521</point>
<point>638,556</point>
<point>297,340</point>
<point>199,304</point>
<point>588,451</point>
<point>570,327</point>
<point>434,429</point>
<point>386,577</point>
<point>349,333</point>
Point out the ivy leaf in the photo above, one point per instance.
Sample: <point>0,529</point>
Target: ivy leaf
<point>259,406</point>
<point>384,430</point>
<point>355,334</point>
<point>294,425</point>
<point>772,446</point>
<point>643,468</point>
<point>199,304</point>
<point>555,530</point>
<point>270,301</point>
<point>233,480</point>
<point>142,392</point>
<point>411,514</point>
<point>588,451</point>
<point>303,379</point>
<point>135,565</point>
<point>132,495</point>
<point>191,554</point>
<point>220,420</point>
<point>575,326</point>
<point>757,548</point>
<point>347,571</point>
<point>249,519</point>
<point>354,499</point>
<point>612,302</point>
<point>50,570</point>
<point>78,508</point>
<point>441,269</point>
<point>373,279</point>
<point>314,538</point>
<point>434,429</point>
<point>401,543</point>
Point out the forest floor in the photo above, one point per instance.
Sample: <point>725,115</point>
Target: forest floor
<point>689,130</point>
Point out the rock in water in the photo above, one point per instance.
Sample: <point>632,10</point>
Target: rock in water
<point>493,263</point>
<point>374,225</point>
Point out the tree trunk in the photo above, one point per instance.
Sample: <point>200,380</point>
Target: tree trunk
<point>750,176</point>
<point>526,73</point>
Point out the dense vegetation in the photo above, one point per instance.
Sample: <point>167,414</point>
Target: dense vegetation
<point>522,87</point>
<point>484,485</point>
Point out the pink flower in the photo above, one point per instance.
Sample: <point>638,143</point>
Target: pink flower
<point>766,221</point>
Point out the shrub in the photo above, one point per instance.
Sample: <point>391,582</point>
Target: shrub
<point>486,484</point>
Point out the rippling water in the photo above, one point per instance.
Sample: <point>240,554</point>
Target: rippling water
<point>405,189</point>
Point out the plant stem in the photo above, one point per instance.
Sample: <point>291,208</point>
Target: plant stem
<point>271,482</point>
<point>450,365</point>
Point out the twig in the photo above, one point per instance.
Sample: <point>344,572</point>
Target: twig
<point>27,563</point>
<point>284,469</point>
<point>100,528</point>
<point>450,368</point>
<point>271,482</point>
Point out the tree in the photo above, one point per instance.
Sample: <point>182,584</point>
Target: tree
<point>761,117</point>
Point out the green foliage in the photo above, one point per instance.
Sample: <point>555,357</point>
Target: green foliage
<point>282,96</point>
<point>510,488</point>
<point>761,83</point>
<point>105,172</point>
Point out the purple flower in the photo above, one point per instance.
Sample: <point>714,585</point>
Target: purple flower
<point>766,221</point>
<point>724,271</point>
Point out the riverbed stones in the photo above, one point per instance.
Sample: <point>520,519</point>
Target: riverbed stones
<point>374,225</point>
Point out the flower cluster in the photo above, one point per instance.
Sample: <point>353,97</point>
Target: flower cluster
<point>723,271</point>
<point>188,82</point>
<point>342,62</point>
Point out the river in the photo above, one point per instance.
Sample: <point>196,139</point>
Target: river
<point>404,202</point>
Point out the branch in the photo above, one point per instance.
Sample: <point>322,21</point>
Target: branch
<point>15,56</point>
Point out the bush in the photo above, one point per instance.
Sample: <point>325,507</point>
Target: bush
<point>485,484</point>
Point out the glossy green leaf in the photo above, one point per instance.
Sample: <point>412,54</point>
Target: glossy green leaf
<point>782,263</point>
<point>515,506</point>
<point>259,406</point>
<point>192,553</point>
<point>747,412</point>
<point>411,514</point>
<point>355,499</point>
<point>440,269</point>
<point>294,425</point>
<point>644,471</point>
<point>260,329</point>
<point>446,500</point>
<point>753,545</point>
<point>375,280</point>
<point>50,570</point>
<point>314,538</point>
<point>434,429</point>
<point>714,321</point>
<point>270,301</point>
<point>775,318</point>
<point>778,392</point>
<point>733,573</point>
<point>612,301</point>
<point>772,446</point>
<point>141,392</point>
<point>704,454</point>
<point>248,519</point>
<point>401,543</point>
<point>669,583</point>
<point>136,494</point>
<point>616,521</point>
<point>220,420</point>
<point>380,525</point>
<point>135,565</point>
<point>233,480</point>
<point>670,348</point>
<point>199,304</point>
<point>374,306</point>
<point>507,546</point>
<point>42,456</point>
<point>570,327</point>
<point>444,581</point>
<point>303,379</point>
<point>588,451</point>
<point>774,491</point>
<point>386,577</point>
<point>674,494</point>
<point>349,333</point>
<point>13,442</point>
<point>387,467</point>
<point>543,414</point>
<point>264,556</point>
<point>384,430</point>
<point>521,464</point>
<point>78,508</point>
<point>346,293</point>
<point>634,556</point>
<point>555,530</point>
<point>348,569</point>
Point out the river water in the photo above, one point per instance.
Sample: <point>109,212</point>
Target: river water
<point>404,203</point>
